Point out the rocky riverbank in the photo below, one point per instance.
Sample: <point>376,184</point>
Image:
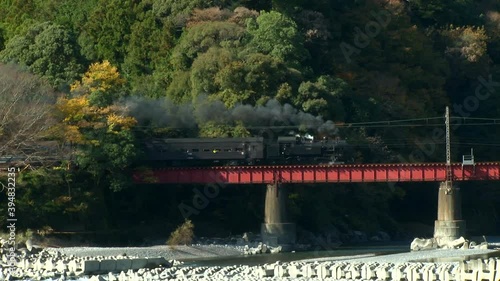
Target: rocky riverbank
<point>160,263</point>
<point>167,252</point>
<point>53,265</point>
<point>151,263</point>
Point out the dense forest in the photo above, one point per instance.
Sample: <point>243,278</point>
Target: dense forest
<point>100,76</point>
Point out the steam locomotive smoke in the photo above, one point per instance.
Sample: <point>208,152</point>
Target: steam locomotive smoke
<point>159,112</point>
<point>163,112</point>
<point>274,113</point>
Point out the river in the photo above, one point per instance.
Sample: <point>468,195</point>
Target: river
<point>346,251</point>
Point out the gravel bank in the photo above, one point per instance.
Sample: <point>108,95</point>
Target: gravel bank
<point>447,254</point>
<point>362,267</point>
<point>167,252</point>
<point>421,256</point>
<point>59,263</point>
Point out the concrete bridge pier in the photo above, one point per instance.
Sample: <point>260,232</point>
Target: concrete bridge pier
<point>276,230</point>
<point>449,224</point>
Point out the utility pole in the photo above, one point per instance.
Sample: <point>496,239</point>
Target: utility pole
<point>449,224</point>
<point>448,150</point>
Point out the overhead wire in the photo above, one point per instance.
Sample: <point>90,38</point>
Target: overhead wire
<point>372,124</point>
<point>395,124</point>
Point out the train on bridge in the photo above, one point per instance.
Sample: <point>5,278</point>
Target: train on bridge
<point>189,152</point>
<point>247,151</point>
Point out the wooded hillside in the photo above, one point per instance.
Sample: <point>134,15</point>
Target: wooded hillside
<point>102,75</point>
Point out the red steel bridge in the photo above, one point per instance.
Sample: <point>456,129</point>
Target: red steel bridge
<point>448,226</point>
<point>353,173</point>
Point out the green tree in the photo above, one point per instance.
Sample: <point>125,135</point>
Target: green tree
<point>199,38</point>
<point>277,35</point>
<point>179,90</point>
<point>151,40</point>
<point>17,16</point>
<point>105,34</point>
<point>205,68</point>
<point>201,43</point>
<point>46,197</point>
<point>146,61</point>
<point>213,129</point>
<point>48,50</point>
<point>253,79</point>
<point>71,13</point>
<point>220,72</point>
<point>323,97</point>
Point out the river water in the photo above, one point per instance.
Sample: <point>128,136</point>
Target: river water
<point>347,251</point>
<point>344,252</point>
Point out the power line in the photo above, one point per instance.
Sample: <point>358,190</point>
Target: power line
<point>372,124</point>
<point>476,118</point>
<point>395,121</point>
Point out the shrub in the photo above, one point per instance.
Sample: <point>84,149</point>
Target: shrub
<point>21,237</point>
<point>183,235</point>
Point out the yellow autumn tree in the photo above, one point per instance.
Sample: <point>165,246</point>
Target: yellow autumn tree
<point>100,77</point>
<point>91,107</point>
<point>91,119</point>
<point>74,114</point>
<point>467,42</point>
<point>102,83</point>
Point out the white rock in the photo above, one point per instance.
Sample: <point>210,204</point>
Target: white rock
<point>29,245</point>
<point>97,278</point>
<point>111,277</point>
<point>122,276</point>
<point>276,250</point>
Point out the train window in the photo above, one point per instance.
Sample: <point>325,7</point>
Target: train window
<point>228,150</point>
<point>195,150</point>
<point>216,150</point>
<point>239,149</point>
<point>206,150</point>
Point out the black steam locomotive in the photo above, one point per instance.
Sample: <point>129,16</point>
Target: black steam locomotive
<point>246,151</point>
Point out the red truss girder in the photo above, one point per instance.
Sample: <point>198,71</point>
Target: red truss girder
<point>319,173</point>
